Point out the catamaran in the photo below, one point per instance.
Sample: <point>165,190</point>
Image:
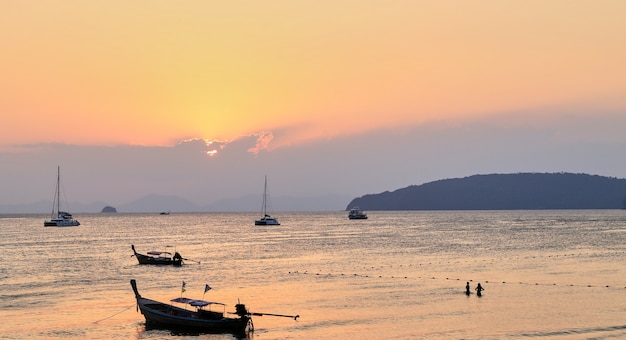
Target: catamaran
<point>266,219</point>
<point>60,218</point>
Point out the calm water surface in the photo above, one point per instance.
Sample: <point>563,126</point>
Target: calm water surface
<point>397,275</point>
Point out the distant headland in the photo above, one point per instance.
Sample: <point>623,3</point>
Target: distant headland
<point>521,191</point>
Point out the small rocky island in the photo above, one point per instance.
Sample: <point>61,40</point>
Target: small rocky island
<point>109,209</point>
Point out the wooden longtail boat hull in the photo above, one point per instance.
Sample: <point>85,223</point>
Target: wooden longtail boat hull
<point>172,317</point>
<point>143,259</point>
<point>176,260</point>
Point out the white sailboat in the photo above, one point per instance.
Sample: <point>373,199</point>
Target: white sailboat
<point>62,218</point>
<point>266,219</point>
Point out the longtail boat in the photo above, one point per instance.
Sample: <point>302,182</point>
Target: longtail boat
<point>200,319</point>
<point>158,257</point>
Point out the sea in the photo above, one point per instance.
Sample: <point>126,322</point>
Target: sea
<point>396,275</point>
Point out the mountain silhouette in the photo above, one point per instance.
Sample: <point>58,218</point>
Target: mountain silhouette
<point>521,191</point>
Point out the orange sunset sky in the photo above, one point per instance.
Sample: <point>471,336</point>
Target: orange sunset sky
<point>157,72</point>
<point>293,74</point>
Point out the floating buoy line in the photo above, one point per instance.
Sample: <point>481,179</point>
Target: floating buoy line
<point>503,282</point>
<point>426,277</point>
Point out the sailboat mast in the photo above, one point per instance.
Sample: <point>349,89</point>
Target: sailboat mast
<point>58,189</point>
<point>265,197</point>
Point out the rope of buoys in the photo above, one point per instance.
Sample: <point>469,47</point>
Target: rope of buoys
<point>514,258</point>
<point>448,278</point>
<point>474,260</point>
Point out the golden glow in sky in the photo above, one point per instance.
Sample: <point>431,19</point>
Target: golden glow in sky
<point>157,72</point>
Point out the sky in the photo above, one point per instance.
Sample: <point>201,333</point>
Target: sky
<point>202,99</point>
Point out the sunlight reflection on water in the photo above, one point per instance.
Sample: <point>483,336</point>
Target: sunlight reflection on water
<point>395,275</point>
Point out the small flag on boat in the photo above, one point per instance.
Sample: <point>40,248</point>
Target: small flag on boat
<point>182,290</point>
<point>206,288</point>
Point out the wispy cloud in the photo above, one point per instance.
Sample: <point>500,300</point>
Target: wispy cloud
<point>262,142</point>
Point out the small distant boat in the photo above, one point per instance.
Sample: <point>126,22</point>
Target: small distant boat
<point>165,213</point>
<point>357,214</point>
<point>62,218</point>
<point>266,219</point>
<point>202,319</point>
<point>158,257</point>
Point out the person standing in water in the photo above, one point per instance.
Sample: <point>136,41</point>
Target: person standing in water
<point>467,289</point>
<point>479,289</point>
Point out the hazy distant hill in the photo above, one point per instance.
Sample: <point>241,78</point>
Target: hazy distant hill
<point>504,192</point>
<point>252,203</point>
<point>154,203</point>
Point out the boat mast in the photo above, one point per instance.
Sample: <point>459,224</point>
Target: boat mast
<point>56,201</point>
<point>265,198</point>
<point>58,190</point>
